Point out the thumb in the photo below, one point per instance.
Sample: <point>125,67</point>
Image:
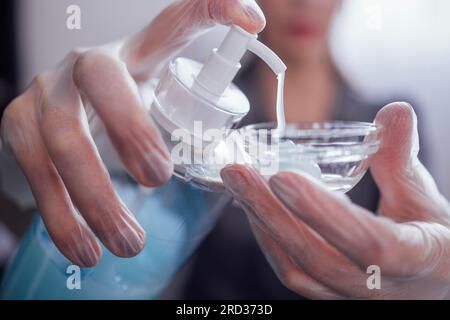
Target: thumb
<point>407,189</point>
<point>244,13</point>
<point>399,139</point>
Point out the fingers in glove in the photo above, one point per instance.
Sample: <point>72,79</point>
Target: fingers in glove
<point>65,132</point>
<point>68,231</point>
<point>306,247</point>
<point>106,84</point>
<point>363,237</point>
<point>292,276</point>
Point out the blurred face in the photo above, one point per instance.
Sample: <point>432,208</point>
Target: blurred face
<point>297,29</point>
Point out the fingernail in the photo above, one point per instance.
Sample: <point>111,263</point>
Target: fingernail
<point>256,15</point>
<point>233,179</point>
<point>128,238</point>
<point>285,188</point>
<point>127,242</point>
<point>90,253</point>
<point>158,168</point>
<point>82,249</point>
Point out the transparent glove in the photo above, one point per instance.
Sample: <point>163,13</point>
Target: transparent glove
<point>49,128</point>
<point>320,244</point>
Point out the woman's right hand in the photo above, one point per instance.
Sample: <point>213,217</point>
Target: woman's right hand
<point>47,128</point>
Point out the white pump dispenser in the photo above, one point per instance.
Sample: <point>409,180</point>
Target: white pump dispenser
<point>224,63</point>
<point>189,91</point>
<point>192,98</point>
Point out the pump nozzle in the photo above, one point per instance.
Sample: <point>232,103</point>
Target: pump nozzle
<point>268,56</point>
<point>224,63</point>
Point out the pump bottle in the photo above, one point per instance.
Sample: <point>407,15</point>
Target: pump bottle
<point>176,217</point>
<point>193,98</point>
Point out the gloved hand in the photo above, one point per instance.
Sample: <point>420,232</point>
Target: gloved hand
<point>47,128</point>
<point>320,244</point>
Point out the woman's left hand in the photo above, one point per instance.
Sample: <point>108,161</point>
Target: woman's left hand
<point>321,245</point>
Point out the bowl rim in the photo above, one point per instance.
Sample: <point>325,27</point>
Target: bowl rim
<point>324,150</point>
<point>325,129</point>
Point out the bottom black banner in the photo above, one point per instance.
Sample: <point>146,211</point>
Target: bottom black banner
<point>301,309</point>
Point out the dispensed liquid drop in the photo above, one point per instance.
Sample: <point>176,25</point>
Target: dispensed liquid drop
<point>284,160</point>
<point>281,119</point>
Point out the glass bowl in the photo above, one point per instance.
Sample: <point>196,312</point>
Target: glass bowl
<point>337,153</point>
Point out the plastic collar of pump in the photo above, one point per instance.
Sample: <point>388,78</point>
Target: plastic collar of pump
<point>177,106</point>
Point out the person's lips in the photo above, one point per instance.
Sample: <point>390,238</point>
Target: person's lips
<point>303,30</point>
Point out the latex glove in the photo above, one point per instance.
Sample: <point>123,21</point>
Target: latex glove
<point>47,128</point>
<point>320,244</point>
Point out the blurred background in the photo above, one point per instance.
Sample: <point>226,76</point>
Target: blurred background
<point>383,48</point>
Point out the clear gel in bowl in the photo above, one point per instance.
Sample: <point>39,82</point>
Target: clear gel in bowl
<point>337,153</point>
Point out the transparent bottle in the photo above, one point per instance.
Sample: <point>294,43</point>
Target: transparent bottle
<point>175,217</point>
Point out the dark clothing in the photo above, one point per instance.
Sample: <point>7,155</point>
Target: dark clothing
<point>229,264</point>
